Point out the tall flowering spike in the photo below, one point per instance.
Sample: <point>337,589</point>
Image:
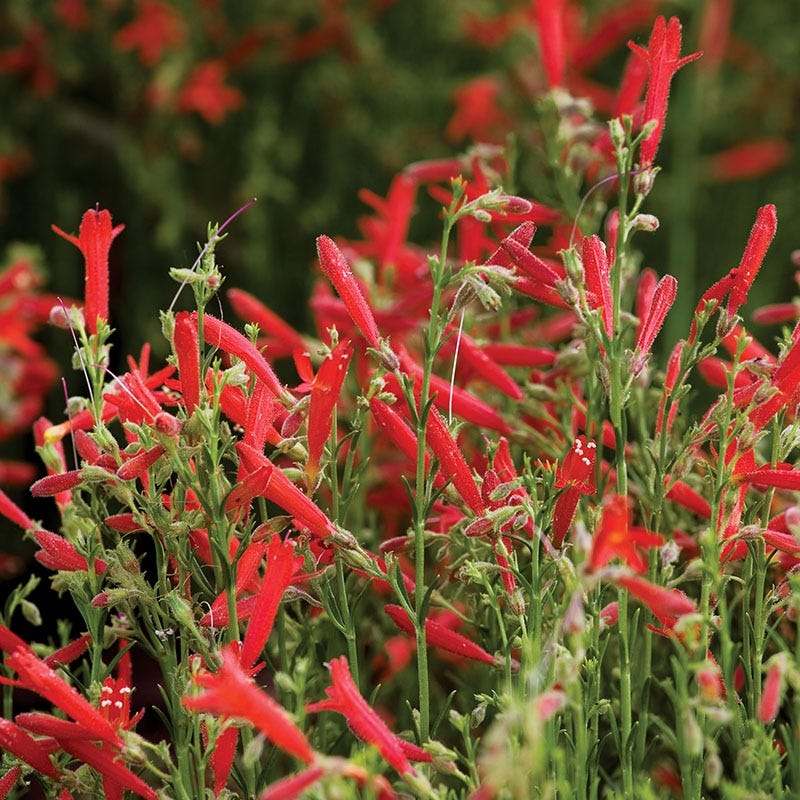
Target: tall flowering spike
<point>187,351</point>
<point>663,57</point>
<point>282,563</point>
<point>576,476</point>
<point>35,675</point>
<point>598,280</point>
<point>664,295</point>
<point>338,272</point>
<point>325,389</point>
<point>344,698</point>
<point>549,16</point>
<point>761,236</point>
<point>616,538</point>
<point>438,635</point>
<point>94,241</point>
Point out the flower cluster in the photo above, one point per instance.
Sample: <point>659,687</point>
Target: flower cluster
<point>464,539</point>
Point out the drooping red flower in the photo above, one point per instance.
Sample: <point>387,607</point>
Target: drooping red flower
<point>26,748</point>
<point>438,635</point>
<point>575,476</point>
<point>206,92</point>
<point>35,675</point>
<point>282,563</point>
<point>663,57</point>
<point>616,538</point>
<point>667,605</point>
<point>230,692</point>
<point>345,699</point>
<point>325,389</point>
<point>94,239</point>
<point>283,338</point>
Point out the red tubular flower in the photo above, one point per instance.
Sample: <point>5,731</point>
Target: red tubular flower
<point>480,365</point>
<point>137,465</point>
<point>683,494</point>
<point>344,698</point>
<point>438,635</point>
<point>775,313</point>
<point>219,334</point>
<point>670,379</point>
<point>11,511</point>
<point>748,160</point>
<point>663,56</point>
<point>761,236</point>
<point>397,429</point>
<point>8,780</point>
<point>598,280</point>
<point>229,692</point>
<point>59,554</point>
<point>21,744</point>
<point>325,390</point>
<point>477,114</point>
<point>187,350</point>
<point>338,272</point>
<point>35,675</point>
<point>772,692</point>
<point>69,652</point>
<point>452,463</point>
<point>282,563</point>
<point>94,241</point>
<point>549,17</point>
<point>284,493</point>
<point>293,786</point>
<point>663,297</point>
<point>631,86</point>
<point>616,538</point>
<point>284,339</point>
<point>576,476</point>
<point>57,483</point>
<point>668,605</point>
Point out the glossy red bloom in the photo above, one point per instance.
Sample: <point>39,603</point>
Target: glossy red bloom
<point>344,698</point>
<point>282,564</point>
<point>230,692</point>
<point>761,235</point>
<point>772,691</point>
<point>26,748</point>
<point>325,389</point>
<point>35,675</point>
<point>597,273</point>
<point>668,605</point>
<point>663,57</point>
<point>575,476</point>
<point>663,297</point>
<point>549,17</point>
<point>219,334</point>
<point>206,92</point>
<point>438,635</point>
<point>186,345</point>
<point>94,241</point>
<point>616,538</point>
<point>338,271</point>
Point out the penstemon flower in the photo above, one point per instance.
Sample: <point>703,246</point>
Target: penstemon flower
<point>94,239</point>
